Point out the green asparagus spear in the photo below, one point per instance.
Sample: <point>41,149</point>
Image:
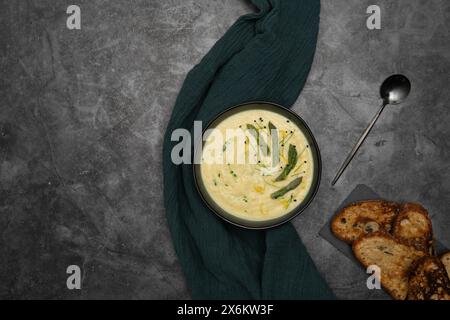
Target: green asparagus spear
<point>292,161</point>
<point>291,186</point>
<point>263,145</point>
<point>275,147</point>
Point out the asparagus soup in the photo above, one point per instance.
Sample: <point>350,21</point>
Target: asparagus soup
<point>272,176</point>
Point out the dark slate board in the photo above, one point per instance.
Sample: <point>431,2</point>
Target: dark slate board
<point>360,193</point>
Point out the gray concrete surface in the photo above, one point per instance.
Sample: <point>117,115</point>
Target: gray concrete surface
<point>82,114</point>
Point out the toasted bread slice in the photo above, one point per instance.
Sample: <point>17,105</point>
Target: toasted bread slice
<point>362,218</point>
<point>428,280</point>
<point>445,259</point>
<point>393,257</point>
<point>413,225</point>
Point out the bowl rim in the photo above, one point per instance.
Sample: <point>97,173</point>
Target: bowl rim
<point>282,220</point>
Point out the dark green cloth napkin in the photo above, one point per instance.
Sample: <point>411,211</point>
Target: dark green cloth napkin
<point>263,56</point>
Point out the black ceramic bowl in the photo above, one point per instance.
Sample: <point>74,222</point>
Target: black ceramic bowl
<point>251,224</point>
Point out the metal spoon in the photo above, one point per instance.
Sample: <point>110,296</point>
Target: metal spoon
<point>393,91</point>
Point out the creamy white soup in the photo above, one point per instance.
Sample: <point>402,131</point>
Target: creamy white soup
<point>257,165</point>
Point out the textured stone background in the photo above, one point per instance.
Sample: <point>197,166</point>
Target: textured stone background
<point>82,114</point>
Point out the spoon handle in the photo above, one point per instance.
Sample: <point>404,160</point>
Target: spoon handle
<point>358,144</point>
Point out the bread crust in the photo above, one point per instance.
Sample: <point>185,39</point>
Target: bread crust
<point>394,258</point>
<point>413,226</point>
<point>364,217</point>
<point>428,280</point>
<point>445,259</point>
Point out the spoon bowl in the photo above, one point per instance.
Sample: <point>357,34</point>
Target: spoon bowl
<point>395,89</point>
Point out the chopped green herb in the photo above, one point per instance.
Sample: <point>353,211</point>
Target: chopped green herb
<point>233,173</point>
<point>224,148</point>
